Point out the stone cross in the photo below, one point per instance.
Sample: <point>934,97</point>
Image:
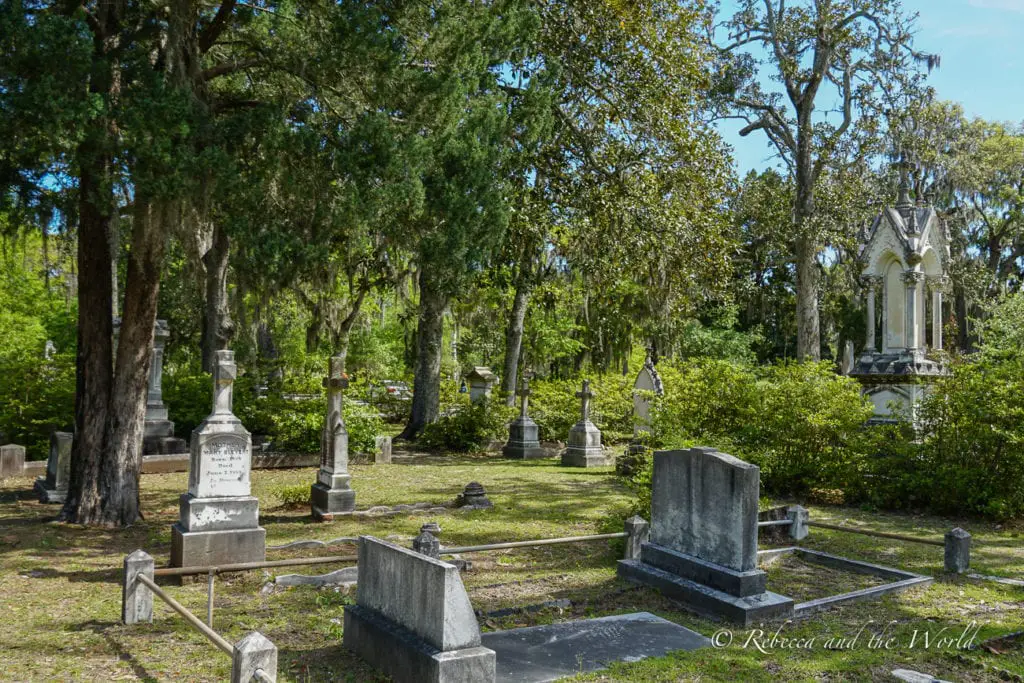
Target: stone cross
<point>223,380</point>
<point>524,391</point>
<point>585,395</point>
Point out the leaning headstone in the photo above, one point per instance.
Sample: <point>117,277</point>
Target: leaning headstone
<point>382,454</point>
<point>703,547</point>
<point>413,620</point>
<point>332,493</point>
<point>53,488</point>
<point>523,434</point>
<point>219,521</point>
<point>158,431</point>
<point>12,460</point>
<point>584,447</point>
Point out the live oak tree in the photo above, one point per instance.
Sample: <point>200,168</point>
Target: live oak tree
<point>843,68</point>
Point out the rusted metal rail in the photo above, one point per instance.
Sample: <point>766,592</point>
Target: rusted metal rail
<point>530,544</point>
<point>212,635</point>
<point>245,566</point>
<point>876,534</point>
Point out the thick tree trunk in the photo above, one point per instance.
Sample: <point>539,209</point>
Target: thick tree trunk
<point>218,328</point>
<point>427,380</point>
<point>514,339</point>
<point>808,336</point>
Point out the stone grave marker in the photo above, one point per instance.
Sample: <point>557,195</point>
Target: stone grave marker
<point>647,380</point>
<point>584,447</point>
<point>413,620</point>
<point>382,450</point>
<point>703,546</point>
<point>332,493</point>
<point>12,460</point>
<point>158,435</point>
<point>523,442</point>
<point>53,488</point>
<point>480,380</point>
<point>219,520</point>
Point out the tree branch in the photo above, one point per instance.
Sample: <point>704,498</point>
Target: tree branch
<point>210,34</point>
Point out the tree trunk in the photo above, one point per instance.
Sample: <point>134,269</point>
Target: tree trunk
<point>808,333</point>
<point>427,380</point>
<point>218,328</point>
<point>514,337</point>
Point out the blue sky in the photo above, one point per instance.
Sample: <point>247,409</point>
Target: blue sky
<point>982,47</point>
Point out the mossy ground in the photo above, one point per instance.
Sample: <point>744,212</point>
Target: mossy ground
<point>60,584</point>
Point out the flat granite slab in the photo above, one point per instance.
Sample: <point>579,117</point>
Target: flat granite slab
<point>547,653</point>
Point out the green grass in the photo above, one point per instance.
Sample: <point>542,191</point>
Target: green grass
<point>60,590</point>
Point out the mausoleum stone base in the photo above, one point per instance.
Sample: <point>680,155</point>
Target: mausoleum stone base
<point>719,577</point>
<point>523,441</point>
<point>404,657</point>
<point>585,457</point>
<point>327,502</point>
<point>229,513</point>
<point>202,548</point>
<point>705,600</point>
<point>523,451</point>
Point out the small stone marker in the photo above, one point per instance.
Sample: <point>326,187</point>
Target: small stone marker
<point>584,446</point>
<point>639,533</point>
<point>53,488</point>
<point>219,521</point>
<point>426,543</point>
<point>703,547</point>
<point>332,492</point>
<point>473,496</point>
<point>800,517</point>
<point>958,551</point>
<point>382,452</point>
<point>12,460</point>
<point>137,599</point>
<point>413,620</point>
<point>523,442</point>
<point>251,653</point>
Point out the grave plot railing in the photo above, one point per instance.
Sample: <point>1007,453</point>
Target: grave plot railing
<point>530,544</point>
<point>956,543</point>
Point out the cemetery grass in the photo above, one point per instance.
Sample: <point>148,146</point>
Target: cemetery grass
<point>60,591</point>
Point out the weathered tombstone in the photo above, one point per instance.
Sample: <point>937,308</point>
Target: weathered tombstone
<point>703,547</point>
<point>647,381</point>
<point>158,430</point>
<point>523,442</point>
<point>12,460</point>
<point>413,620</point>
<point>332,493</point>
<point>382,454</point>
<point>480,380</point>
<point>53,488</point>
<point>219,522</point>
<point>957,551</point>
<point>584,446</point>
<point>49,350</point>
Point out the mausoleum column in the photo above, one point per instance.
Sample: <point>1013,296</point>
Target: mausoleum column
<point>871,286</point>
<point>913,280</point>
<point>938,286</point>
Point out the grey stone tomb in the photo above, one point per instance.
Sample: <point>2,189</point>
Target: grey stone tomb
<point>480,380</point>
<point>523,442</point>
<point>703,547</point>
<point>158,435</point>
<point>584,446</point>
<point>413,620</point>
<point>12,460</point>
<point>53,488</point>
<point>219,522</point>
<point>332,493</point>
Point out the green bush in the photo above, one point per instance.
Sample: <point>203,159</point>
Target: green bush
<point>468,427</point>
<point>293,496</point>
<point>555,408</point>
<point>37,397</point>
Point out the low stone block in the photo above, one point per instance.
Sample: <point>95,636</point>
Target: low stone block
<point>740,584</point>
<point>382,450</point>
<point>218,514</point>
<point>800,517</point>
<point>958,551</point>
<point>639,532</point>
<point>203,548</point>
<point>12,460</point>
<point>407,658</point>
<point>327,501</point>
<point>705,600</point>
<point>594,457</point>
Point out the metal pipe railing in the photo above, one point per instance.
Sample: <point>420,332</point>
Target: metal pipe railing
<point>530,544</point>
<point>775,522</point>
<point>245,566</point>
<point>876,534</point>
<point>212,635</point>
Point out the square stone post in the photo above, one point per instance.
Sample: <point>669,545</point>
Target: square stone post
<point>136,598</point>
<point>251,653</point>
<point>639,533</point>
<point>938,286</point>
<point>912,334</point>
<point>958,551</point>
<point>799,516</point>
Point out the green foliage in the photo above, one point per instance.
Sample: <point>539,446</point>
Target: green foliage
<point>555,408</point>
<point>292,496</point>
<point>468,427</point>
<point>188,396</point>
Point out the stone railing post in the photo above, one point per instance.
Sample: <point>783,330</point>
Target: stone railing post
<point>251,653</point>
<point>427,544</point>
<point>136,598</point>
<point>799,516</point>
<point>639,533</point>
<point>958,551</point>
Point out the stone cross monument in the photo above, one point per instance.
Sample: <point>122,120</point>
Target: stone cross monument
<point>219,521</point>
<point>332,493</point>
<point>584,446</point>
<point>158,435</point>
<point>523,442</point>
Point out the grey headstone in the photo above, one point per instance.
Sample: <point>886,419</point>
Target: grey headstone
<point>554,651</point>
<point>136,598</point>
<point>54,487</point>
<point>12,460</point>
<point>417,592</point>
<point>704,503</point>
<point>382,452</point>
<point>958,551</point>
<point>251,653</point>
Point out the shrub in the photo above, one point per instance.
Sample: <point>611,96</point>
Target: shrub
<point>555,408</point>
<point>468,427</point>
<point>38,397</point>
<point>293,496</point>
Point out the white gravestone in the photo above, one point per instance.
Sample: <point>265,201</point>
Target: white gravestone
<point>647,381</point>
<point>219,522</point>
